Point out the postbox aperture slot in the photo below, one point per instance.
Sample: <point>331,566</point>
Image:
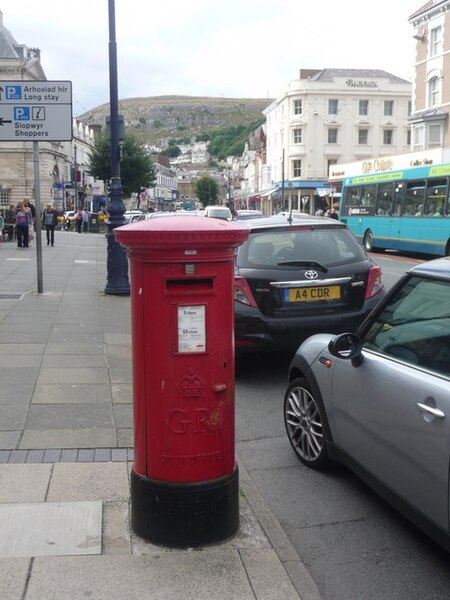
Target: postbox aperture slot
<point>189,284</point>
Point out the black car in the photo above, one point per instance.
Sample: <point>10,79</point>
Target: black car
<point>299,276</point>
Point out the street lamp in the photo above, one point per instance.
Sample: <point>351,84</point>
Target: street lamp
<point>230,202</point>
<point>75,178</point>
<point>117,261</point>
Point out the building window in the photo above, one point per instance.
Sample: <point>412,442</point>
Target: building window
<point>332,135</point>
<point>409,107</point>
<point>434,134</point>
<point>4,199</point>
<point>408,137</point>
<point>433,91</point>
<point>388,108</point>
<point>330,163</point>
<point>388,136</point>
<point>363,107</point>
<point>333,107</point>
<point>436,41</point>
<point>298,107</point>
<point>363,136</point>
<point>298,136</point>
<point>296,168</point>
<point>419,136</point>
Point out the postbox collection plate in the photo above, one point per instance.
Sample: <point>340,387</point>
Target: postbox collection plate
<point>191,328</point>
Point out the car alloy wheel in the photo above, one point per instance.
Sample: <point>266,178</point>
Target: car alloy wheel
<point>304,421</point>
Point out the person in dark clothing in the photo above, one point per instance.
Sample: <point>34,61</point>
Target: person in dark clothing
<point>49,220</point>
<point>78,221</point>
<point>23,218</point>
<point>10,221</point>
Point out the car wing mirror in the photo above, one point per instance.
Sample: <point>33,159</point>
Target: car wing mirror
<point>347,346</point>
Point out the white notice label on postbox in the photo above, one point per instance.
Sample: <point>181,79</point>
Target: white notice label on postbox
<point>191,329</point>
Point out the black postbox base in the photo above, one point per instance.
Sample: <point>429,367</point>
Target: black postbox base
<point>182,515</point>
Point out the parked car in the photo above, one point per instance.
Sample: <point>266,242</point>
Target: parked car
<point>171,213</point>
<point>297,277</point>
<point>218,212</point>
<point>378,400</point>
<point>69,215</point>
<point>293,213</point>
<point>247,213</point>
<point>131,216</point>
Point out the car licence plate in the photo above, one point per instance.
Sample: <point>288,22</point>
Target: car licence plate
<point>313,294</point>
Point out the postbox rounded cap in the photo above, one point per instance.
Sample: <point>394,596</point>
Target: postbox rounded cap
<point>178,231</point>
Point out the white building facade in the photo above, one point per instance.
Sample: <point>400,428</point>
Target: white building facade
<point>164,192</point>
<point>431,87</point>
<point>327,117</point>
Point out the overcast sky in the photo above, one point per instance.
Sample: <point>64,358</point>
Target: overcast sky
<point>230,48</point>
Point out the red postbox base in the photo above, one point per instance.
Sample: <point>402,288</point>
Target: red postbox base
<point>182,515</point>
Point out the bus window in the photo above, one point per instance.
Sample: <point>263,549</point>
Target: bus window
<point>414,199</point>
<point>399,196</point>
<point>436,194</point>
<point>353,197</point>
<point>384,199</point>
<point>368,195</point>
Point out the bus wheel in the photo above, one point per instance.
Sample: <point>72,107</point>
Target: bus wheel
<point>447,249</point>
<point>368,241</point>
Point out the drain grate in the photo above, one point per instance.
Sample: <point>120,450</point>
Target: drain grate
<point>10,296</point>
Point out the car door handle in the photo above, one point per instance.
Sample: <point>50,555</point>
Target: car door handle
<point>435,412</point>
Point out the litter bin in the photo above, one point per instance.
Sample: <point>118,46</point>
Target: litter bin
<point>94,223</point>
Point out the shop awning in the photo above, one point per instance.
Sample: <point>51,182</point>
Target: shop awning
<point>269,192</point>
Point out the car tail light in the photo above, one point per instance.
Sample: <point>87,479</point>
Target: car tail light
<point>374,283</point>
<point>245,344</point>
<point>242,292</point>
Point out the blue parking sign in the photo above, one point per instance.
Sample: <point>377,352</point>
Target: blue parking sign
<point>21,113</point>
<point>13,92</point>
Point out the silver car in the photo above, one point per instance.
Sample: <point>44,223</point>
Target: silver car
<point>378,401</point>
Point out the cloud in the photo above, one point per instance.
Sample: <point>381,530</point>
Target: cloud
<point>236,48</point>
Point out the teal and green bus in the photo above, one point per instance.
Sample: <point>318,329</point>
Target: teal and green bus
<point>407,209</point>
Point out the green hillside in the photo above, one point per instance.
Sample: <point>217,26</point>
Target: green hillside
<point>161,117</point>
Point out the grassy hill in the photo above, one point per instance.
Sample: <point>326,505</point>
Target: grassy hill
<point>160,117</point>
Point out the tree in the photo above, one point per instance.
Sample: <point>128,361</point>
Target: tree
<point>136,167</point>
<point>171,151</point>
<point>207,190</point>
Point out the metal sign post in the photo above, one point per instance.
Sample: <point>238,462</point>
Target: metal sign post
<point>34,111</point>
<point>37,204</point>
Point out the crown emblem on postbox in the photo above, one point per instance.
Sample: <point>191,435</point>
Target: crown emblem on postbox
<point>192,386</point>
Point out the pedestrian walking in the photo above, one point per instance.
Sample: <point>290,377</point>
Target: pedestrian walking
<point>10,221</point>
<point>31,218</point>
<point>78,221</point>
<point>85,220</point>
<point>49,220</point>
<point>23,217</point>
<point>332,213</point>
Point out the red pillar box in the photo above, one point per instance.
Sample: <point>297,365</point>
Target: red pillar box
<point>184,481</point>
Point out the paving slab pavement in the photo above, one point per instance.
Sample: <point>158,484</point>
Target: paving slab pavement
<point>65,454</point>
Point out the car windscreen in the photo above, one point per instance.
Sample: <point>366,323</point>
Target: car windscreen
<point>282,248</point>
<point>414,325</point>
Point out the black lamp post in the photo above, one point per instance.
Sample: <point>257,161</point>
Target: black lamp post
<point>230,202</point>
<point>117,261</point>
